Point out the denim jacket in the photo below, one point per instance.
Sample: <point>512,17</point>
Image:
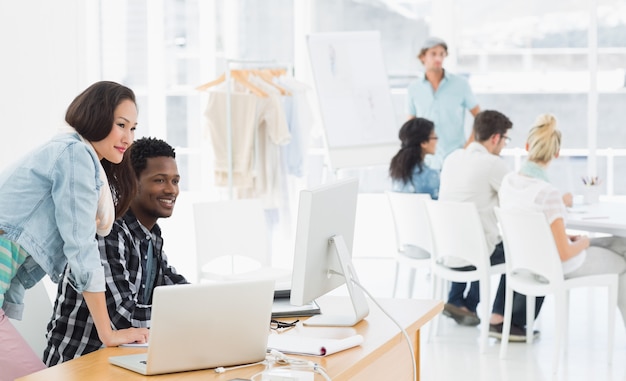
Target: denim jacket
<point>426,181</point>
<point>48,203</point>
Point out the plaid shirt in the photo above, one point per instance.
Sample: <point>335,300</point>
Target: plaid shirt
<point>71,332</point>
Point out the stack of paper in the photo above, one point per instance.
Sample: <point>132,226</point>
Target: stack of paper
<point>297,344</point>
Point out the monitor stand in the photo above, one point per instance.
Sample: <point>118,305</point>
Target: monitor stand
<point>360,307</point>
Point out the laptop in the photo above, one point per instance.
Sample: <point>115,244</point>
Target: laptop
<point>202,326</point>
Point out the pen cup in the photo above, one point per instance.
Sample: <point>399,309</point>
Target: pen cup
<point>591,195</point>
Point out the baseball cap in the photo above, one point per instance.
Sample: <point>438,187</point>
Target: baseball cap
<point>431,42</point>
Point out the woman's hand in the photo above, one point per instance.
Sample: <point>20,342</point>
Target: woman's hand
<point>581,240</point>
<point>125,336</point>
<point>568,246</point>
<point>568,199</point>
<point>111,338</point>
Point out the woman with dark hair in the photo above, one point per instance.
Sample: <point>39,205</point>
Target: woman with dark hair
<point>53,202</point>
<point>407,170</point>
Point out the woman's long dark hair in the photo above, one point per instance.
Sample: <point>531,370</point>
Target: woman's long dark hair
<point>412,134</point>
<point>92,115</point>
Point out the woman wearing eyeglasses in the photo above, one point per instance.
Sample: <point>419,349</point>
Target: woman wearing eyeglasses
<point>407,170</point>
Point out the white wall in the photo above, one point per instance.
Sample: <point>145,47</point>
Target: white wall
<point>44,66</point>
<point>50,53</point>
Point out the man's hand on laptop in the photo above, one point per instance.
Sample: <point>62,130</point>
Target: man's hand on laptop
<point>126,336</point>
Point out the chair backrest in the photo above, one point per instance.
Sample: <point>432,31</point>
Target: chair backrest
<point>529,246</point>
<point>234,228</point>
<point>373,228</point>
<point>410,220</point>
<point>457,232</point>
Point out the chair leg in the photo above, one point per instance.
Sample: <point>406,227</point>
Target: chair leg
<point>444,291</point>
<point>432,279</point>
<point>560,325</point>
<point>437,284</point>
<point>395,284</point>
<point>411,282</point>
<point>565,338</point>
<point>485,294</point>
<point>506,325</point>
<point>530,318</point>
<point>612,307</point>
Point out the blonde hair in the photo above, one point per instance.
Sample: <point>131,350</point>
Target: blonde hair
<point>544,139</point>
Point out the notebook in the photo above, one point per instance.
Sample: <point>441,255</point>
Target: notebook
<point>208,325</point>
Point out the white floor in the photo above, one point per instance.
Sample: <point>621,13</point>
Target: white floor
<point>453,354</point>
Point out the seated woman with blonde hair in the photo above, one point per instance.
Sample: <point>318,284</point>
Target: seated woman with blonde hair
<point>530,189</point>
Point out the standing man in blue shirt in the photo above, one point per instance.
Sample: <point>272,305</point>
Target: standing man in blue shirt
<point>441,97</point>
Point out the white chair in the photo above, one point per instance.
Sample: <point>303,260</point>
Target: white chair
<point>232,242</point>
<point>413,237</point>
<point>457,232</point>
<point>533,268</point>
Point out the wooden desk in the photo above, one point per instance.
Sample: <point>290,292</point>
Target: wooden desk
<point>384,355</point>
<point>605,217</point>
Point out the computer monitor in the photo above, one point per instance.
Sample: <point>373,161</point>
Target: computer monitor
<point>323,251</point>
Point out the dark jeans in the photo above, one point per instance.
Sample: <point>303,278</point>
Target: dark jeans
<point>470,301</point>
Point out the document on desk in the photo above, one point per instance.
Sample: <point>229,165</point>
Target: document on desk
<point>585,213</point>
<point>303,345</point>
<point>577,210</point>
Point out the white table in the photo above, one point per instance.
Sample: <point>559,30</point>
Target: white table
<point>605,217</point>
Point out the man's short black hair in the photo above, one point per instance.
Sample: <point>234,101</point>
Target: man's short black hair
<point>145,148</point>
<point>488,123</point>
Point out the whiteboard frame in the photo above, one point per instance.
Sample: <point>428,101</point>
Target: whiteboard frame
<point>358,155</point>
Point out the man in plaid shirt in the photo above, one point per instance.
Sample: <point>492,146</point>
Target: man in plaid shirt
<point>131,255</point>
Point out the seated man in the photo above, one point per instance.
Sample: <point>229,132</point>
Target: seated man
<point>475,174</point>
<point>131,255</point>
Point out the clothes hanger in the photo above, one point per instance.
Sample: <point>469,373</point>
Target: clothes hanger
<point>268,76</point>
<point>240,76</point>
<point>214,82</point>
<point>277,72</point>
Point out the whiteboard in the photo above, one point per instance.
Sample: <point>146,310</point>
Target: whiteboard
<point>354,97</point>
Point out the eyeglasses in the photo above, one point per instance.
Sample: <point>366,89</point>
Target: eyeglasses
<point>433,137</point>
<point>275,324</point>
<point>507,140</point>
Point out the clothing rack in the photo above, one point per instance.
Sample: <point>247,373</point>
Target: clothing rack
<point>238,64</point>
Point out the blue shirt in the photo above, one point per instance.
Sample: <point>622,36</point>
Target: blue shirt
<point>445,108</point>
<point>48,204</point>
<point>426,181</point>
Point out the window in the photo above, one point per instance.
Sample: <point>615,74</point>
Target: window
<point>523,59</point>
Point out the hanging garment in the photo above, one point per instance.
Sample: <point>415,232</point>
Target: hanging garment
<point>243,127</point>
